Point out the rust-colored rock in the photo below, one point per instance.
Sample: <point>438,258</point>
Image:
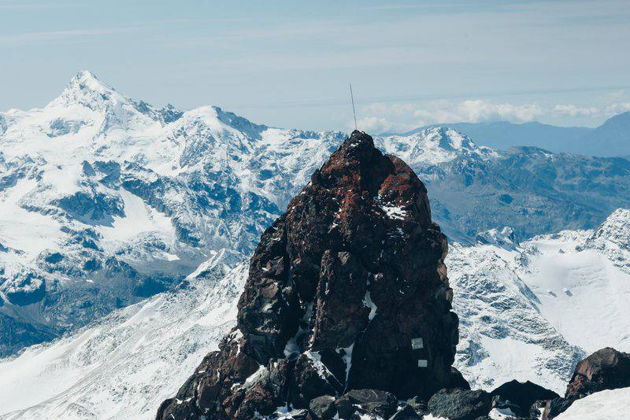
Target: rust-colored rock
<point>605,369</point>
<point>347,290</point>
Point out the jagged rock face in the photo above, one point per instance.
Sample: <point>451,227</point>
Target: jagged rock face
<point>605,369</point>
<point>346,290</point>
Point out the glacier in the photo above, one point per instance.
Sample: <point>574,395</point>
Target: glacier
<point>532,310</point>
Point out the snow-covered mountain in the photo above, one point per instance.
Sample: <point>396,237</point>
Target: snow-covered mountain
<point>528,311</point>
<point>124,365</point>
<point>531,311</point>
<point>612,138</point>
<point>106,200</point>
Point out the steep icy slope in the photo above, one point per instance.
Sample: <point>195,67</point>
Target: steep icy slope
<point>117,367</point>
<point>509,327</point>
<point>532,310</point>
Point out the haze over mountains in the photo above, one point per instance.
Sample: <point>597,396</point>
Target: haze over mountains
<point>610,139</point>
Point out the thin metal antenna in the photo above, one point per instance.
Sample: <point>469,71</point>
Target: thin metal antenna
<point>354,112</point>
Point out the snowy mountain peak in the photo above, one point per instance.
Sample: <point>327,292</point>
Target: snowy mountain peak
<point>500,237</point>
<point>435,145</point>
<point>448,138</point>
<point>616,228</point>
<point>87,90</point>
<point>239,123</point>
<point>87,79</point>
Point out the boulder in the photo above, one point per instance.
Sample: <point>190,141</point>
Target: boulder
<point>345,407</point>
<point>419,405</point>
<point>460,404</point>
<point>323,407</point>
<point>374,401</point>
<point>605,369</point>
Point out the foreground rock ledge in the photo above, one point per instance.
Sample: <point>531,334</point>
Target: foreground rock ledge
<point>346,291</point>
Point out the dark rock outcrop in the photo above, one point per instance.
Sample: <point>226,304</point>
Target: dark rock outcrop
<point>347,295</point>
<point>323,408</point>
<point>375,402</point>
<point>460,404</point>
<point>605,369</point>
<point>520,396</point>
<point>555,407</point>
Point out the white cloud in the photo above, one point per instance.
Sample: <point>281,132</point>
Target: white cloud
<point>399,117</point>
<point>576,111</point>
<point>383,117</point>
<point>373,124</point>
<point>389,109</point>
<point>617,108</point>
<point>479,110</point>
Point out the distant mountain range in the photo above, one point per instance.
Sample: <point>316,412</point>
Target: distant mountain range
<point>610,139</point>
<point>106,200</point>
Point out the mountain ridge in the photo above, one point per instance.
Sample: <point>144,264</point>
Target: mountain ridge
<point>113,202</point>
<point>610,139</point>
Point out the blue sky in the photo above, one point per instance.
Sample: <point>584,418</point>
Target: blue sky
<point>288,63</point>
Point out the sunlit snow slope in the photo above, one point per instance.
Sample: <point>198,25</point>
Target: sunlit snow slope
<point>124,365</point>
<point>105,200</point>
<point>530,311</point>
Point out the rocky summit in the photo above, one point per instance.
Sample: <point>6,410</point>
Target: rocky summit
<point>347,299</point>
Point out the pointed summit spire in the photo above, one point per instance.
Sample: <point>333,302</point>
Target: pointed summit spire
<point>87,90</point>
<point>85,80</point>
<point>88,79</point>
<point>347,297</point>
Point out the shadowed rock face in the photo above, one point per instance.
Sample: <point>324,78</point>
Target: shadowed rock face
<point>520,396</point>
<point>605,369</point>
<point>346,290</point>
